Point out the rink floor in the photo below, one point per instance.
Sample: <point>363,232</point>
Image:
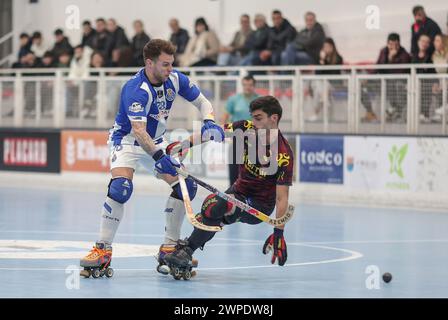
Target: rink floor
<point>332,251</point>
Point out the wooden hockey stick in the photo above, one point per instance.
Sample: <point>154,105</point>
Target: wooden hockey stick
<point>189,210</point>
<point>244,206</point>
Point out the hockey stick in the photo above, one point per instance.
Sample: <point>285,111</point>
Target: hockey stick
<point>244,206</point>
<point>189,210</point>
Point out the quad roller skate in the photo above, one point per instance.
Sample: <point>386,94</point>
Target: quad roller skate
<point>97,262</point>
<point>180,262</point>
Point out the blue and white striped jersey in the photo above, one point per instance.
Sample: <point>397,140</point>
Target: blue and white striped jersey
<point>141,101</point>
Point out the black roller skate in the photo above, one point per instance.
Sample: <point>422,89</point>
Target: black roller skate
<point>180,261</point>
<point>164,249</point>
<point>97,262</point>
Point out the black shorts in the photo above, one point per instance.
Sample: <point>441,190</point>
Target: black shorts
<point>238,215</point>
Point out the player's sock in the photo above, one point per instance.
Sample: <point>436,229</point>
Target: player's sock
<point>174,217</point>
<point>111,215</point>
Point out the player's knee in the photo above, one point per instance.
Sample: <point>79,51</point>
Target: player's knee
<point>192,188</point>
<point>214,207</point>
<point>120,189</point>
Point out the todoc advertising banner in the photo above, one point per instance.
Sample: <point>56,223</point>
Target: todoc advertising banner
<point>320,159</point>
<point>84,151</point>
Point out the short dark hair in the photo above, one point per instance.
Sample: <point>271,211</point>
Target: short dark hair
<point>37,35</point>
<point>245,15</point>
<point>100,20</point>
<point>268,104</point>
<point>86,23</point>
<point>154,48</point>
<point>58,32</point>
<point>249,78</point>
<point>276,11</point>
<point>24,35</point>
<point>393,37</point>
<point>417,9</point>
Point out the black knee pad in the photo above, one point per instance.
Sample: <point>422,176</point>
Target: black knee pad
<point>215,208</point>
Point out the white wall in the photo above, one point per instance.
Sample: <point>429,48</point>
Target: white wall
<point>345,20</point>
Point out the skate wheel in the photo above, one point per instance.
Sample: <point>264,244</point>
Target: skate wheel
<point>109,272</point>
<point>85,273</point>
<point>163,269</point>
<point>187,275</point>
<point>96,273</point>
<point>177,273</point>
<point>193,274</point>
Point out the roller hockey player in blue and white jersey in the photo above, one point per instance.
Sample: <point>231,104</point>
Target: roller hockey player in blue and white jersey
<point>138,136</point>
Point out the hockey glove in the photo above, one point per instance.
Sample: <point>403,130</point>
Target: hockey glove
<point>165,164</point>
<point>211,131</point>
<point>277,243</point>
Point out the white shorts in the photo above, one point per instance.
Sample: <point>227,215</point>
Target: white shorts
<point>129,156</point>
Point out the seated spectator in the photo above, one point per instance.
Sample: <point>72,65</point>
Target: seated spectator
<point>88,34</point>
<point>307,45</point>
<point>232,54</point>
<point>121,58</point>
<point>119,39</point>
<point>48,60</point>
<point>61,45</point>
<point>179,37</point>
<point>257,41</point>
<point>28,60</point>
<point>64,60</point>
<point>396,89</point>
<point>25,46</point>
<point>329,55</point>
<point>139,41</point>
<point>424,55</point>
<point>422,25</point>
<point>38,46</point>
<point>280,35</point>
<point>102,40</point>
<point>79,65</point>
<point>439,57</point>
<point>203,48</point>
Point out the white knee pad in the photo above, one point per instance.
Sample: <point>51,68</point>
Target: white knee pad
<point>174,217</point>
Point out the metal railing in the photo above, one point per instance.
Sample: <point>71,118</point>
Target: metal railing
<point>360,99</point>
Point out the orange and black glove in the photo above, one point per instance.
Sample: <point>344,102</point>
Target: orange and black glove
<point>277,243</point>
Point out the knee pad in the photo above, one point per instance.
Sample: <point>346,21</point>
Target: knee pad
<point>120,189</point>
<point>191,186</point>
<point>214,207</point>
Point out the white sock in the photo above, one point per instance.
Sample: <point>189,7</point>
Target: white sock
<point>174,216</point>
<point>111,215</point>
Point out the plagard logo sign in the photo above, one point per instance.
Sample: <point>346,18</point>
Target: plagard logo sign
<point>321,159</point>
<point>85,151</point>
<point>396,157</point>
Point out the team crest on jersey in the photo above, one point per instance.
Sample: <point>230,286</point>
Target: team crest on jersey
<point>136,107</point>
<point>283,159</point>
<point>170,95</point>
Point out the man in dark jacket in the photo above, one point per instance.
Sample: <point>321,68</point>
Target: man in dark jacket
<point>280,34</point>
<point>119,39</point>
<point>61,45</point>
<point>423,25</point>
<point>102,41</point>
<point>179,37</point>
<point>305,48</point>
<point>138,43</point>
<point>88,34</point>
<point>256,42</point>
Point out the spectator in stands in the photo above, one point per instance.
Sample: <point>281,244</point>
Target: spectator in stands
<point>232,54</point>
<point>422,25</point>
<point>396,89</point>
<point>25,46</point>
<point>138,42</point>
<point>329,55</point>
<point>119,39</point>
<point>102,40</point>
<point>48,60</point>
<point>280,35</point>
<point>203,48</point>
<point>64,60</point>
<point>237,108</point>
<point>61,45</point>
<point>88,34</point>
<point>79,66</point>
<point>38,46</point>
<point>257,41</point>
<point>28,60</point>
<point>179,37</point>
<point>424,55</point>
<point>440,56</point>
<point>307,45</point>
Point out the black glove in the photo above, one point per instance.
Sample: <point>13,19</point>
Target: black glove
<point>276,242</point>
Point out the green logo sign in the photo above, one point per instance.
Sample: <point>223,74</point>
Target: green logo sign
<point>396,157</point>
